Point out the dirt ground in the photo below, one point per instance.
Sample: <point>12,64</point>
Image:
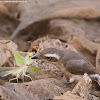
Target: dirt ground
<point>36,25</point>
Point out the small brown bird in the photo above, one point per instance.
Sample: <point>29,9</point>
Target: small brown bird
<point>69,62</point>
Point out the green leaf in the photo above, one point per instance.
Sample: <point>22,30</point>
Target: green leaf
<point>34,69</point>
<point>20,61</point>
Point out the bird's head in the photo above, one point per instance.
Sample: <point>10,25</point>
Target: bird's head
<point>51,55</point>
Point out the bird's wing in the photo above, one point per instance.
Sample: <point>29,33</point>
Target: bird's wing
<point>80,66</point>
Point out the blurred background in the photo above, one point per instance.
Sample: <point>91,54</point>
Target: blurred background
<point>26,22</point>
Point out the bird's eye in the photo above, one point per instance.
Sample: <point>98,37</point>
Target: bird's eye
<point>49,58</point>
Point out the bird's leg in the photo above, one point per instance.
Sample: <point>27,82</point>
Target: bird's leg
<point>71,80</point>
<point>64,78</point>
<point>16,78</point>
<point>60,85</point>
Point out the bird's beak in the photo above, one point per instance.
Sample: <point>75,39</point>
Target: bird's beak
<point>37,56</point>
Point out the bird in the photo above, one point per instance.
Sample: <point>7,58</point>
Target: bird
<point>69,62</point>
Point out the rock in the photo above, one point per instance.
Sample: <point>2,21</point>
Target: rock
<point>84,87</point>
<point>81,91</point>
<point>6,51</point>
<point>1,95</point>
<point>37,90</point>
<point>45,42</point>
<point>68,96</point>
